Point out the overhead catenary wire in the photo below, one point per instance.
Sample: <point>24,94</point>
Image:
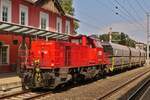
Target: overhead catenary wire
<point>89,16</point>
<point>127,20</point>
<point>94,18</point>
<point>142,8</point>
<point>120,15</point>
<point>147,6</point>
<point>134,10</point>
<point>89,25</point>
<point>129,13</point>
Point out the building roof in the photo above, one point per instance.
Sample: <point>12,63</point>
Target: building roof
<point>56,3</point>
<point>70,16</point>
<point>42,2</point>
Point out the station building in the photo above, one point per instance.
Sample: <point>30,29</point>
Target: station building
<point>28,16</point>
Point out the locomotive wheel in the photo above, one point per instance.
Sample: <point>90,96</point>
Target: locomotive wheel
<point>24,87</point>
<point>97,77</point>
<point>80,78</point>
<point>103,74</point>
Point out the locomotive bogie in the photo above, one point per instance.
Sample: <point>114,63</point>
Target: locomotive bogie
<point>55,77</point>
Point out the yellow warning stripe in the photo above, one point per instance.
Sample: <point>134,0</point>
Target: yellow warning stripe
<point>113,63</point>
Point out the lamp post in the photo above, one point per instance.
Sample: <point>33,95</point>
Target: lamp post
<point>110,34</point>
<point>148,38</point>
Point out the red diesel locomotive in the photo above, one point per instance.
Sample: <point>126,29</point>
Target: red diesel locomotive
<point>51,63</point>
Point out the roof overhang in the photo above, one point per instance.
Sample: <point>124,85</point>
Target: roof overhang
<point>31,31</point>
<point>70,16</point>
<point>32,1</point>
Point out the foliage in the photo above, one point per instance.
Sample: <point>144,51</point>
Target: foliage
<point>67,6</point>
<point>119,38</point>
<point>123,39</point>
<point>115,37</point>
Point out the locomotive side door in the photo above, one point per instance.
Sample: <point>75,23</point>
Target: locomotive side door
<point>67,55</point>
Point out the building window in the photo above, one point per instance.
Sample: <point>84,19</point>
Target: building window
<point>22,18</point>
<point>4,55</point>
<point>44,21</point>
<point>59,25</point>
<point>67,27</point>
<point>5,14</point>
<point>23,15</point>
<point>5,9</point>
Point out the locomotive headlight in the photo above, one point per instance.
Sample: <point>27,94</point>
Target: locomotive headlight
<point>100,53</point>
<point>52,64</point>
<point>36,62</point>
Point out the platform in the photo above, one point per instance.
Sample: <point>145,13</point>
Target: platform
<point>9,81</point>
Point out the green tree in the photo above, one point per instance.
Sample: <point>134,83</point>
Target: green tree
<point>119,38</point>
<point>123,39</point>
<point>115,37</point>
<point>67,6</point>
<point>104,37</point>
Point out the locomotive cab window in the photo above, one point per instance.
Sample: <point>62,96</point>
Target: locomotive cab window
<point>90,43</point>
<point>76,41</point>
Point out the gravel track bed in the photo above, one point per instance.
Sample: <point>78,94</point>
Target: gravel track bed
<point>95,89</point>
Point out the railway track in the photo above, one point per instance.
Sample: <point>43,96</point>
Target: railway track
<point>110,93</point>
<point>25,95</point>
<point>140,92</point>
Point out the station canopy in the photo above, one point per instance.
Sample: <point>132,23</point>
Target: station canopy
<point>31,31</point>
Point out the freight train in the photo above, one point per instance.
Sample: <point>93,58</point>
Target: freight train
<point>52,63</point>
<point>123,57</point>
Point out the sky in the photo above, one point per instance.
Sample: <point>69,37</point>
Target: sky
<point>128,16</point>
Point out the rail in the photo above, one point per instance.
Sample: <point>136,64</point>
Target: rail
<point>25,95</point>
<point>140,91</point>
<point>110,93</point>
